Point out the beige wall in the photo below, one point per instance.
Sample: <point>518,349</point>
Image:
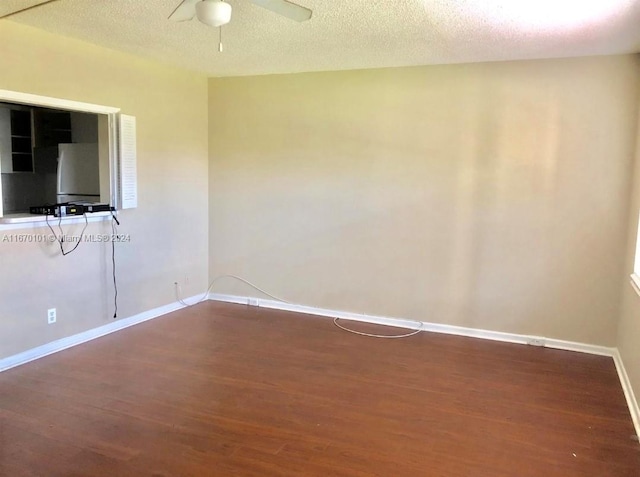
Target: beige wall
<point>169,228</point>
<point>629,329</point>
<point>492,195</point>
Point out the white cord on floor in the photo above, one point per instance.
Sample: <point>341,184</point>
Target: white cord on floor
<point>255,287</point>
<point>370,335</point>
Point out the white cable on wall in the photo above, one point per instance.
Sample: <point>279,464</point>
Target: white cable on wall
<point>206,294</point>
<point>255,287</point>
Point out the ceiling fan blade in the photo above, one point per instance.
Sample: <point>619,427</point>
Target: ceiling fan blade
<point>285,8</point>
<point>27,8</point>
<point>185,11</point>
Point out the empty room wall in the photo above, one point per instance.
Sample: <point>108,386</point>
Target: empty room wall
<point>168,230</point>
<point>493,196</point>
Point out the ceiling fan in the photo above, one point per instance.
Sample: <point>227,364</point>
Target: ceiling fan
<point>212,12</point>
<point>217,13</point>
<point>30,7</point>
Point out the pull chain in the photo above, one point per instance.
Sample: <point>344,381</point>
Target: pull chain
<point>220,49</point>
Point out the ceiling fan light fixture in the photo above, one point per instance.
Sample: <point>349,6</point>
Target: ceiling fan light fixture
<point>213,12</point>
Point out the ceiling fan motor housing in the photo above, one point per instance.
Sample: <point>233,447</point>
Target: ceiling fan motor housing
<point>213,12</point>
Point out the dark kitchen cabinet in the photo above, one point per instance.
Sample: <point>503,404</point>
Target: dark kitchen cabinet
<point>21,141</point>
<point>51,128</point>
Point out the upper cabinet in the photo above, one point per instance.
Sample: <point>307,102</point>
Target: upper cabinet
<point>51,127</point>
<point>21,140</point>
<point>84,128</point>
<point>6,164</point>
<point>16,140</point>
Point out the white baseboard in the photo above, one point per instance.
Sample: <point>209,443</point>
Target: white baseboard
<point>70,341</point>
<point>422,325</point>
<point>240,300</point>
<point>629,395</point>
<point>459,331</point>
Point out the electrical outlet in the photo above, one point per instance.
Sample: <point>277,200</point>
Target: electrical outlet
<point>536,341</point>
<point>253,302</point>
<point>51,315</point>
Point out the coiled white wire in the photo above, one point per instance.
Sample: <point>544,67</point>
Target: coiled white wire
<point>255,287</point>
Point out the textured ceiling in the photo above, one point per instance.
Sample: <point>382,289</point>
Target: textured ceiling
<point>347,34</point>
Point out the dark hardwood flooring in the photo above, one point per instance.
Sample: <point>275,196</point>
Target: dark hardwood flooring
<point>228,390</point>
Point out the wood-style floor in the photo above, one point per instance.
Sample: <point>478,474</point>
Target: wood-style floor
<point>228,390</point>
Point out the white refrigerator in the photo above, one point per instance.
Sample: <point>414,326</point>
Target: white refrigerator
<point>78,173</point>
